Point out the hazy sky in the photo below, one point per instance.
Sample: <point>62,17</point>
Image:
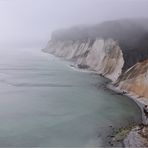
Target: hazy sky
<point>32,21</point>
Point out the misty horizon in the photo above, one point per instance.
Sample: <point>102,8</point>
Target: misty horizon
<point>32,21</point>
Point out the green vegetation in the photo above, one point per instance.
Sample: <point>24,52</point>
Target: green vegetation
<point>121,133</point>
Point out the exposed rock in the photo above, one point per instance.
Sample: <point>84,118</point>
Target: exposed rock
<point>137,138</point>
<point>112,49</point>
<point>103,56</point>
<point>135,80</point>
<point>131,35</point>
<point>83,66</point>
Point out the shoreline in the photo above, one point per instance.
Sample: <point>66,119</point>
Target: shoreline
<point>139,101</point>
<point>132,133</point>
<point>133,136</point>
<point>138,135</point>
<point>135,98</point>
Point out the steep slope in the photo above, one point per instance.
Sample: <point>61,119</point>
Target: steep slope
<point>110,48</point>
<point>103,56</point>
<point>135,80</point>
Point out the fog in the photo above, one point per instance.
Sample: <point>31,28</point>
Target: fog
<point>31,22</point>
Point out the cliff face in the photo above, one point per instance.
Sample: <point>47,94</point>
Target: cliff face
<point>103,56</point>
<point>135,80</point>
<point>117,50</point>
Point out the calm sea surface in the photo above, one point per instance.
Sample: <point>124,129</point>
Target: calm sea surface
<point>44,102</point>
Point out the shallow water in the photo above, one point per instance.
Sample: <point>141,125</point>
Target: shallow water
<point>44,102</point>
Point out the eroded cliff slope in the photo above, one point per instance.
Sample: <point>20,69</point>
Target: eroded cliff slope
<point>102,56</point>
<point>117,50</point>
<point>135,80</point>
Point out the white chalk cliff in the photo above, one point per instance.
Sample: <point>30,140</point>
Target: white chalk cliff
<point>117,50</point>
<point>103,56</point>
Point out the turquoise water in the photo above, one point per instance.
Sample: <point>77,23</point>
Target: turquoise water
<point>44,102</point>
